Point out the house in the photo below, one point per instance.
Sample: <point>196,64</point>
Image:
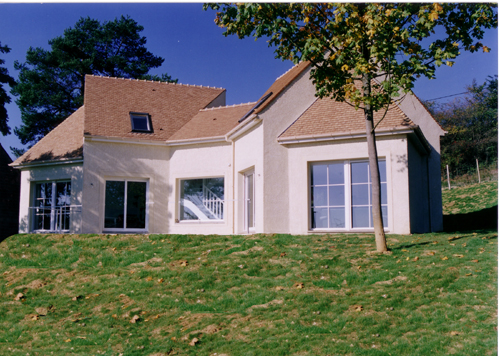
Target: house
<point>151,157</point>
<point>9,196</point>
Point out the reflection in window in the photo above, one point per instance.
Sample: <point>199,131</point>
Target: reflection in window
<point>327,196</point>
<point>202,199</point>
<point>141,122</point>
<point>125,205</point>
<point>331,202</point>
<point>361,191</point>
<point>52,206</point>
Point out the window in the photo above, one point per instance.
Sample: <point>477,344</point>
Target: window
<point>125,205</point>
<point>202,199</point>
<point>52,206</point>
<point>341,195</point>
<point>141,122</point>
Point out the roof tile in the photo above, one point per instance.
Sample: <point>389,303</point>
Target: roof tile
<point>212,122</point>
<point>63,142</point>
<point>327,116</point>
<point>108,102</point>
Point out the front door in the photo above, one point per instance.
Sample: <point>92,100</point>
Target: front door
<point>249,202</point>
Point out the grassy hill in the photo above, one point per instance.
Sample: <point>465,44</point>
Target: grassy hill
<point>435,294</point>
<point>470,198</point>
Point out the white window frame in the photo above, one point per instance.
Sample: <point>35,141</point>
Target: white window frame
<point>193,221</point>
<point>132,230</point>
<point>347,196</point>
<point>53,207</point>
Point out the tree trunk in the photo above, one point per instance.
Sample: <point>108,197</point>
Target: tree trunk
<point>374,172</point>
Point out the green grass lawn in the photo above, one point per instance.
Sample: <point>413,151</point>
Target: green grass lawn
<point>435,294</point>
<point>470,198</point>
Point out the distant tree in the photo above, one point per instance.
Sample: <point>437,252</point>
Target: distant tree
<point>51,82</point>
<point>5,78</point>
<point>472,125</point>
<point>365,54</point>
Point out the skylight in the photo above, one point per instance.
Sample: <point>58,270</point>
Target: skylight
<point>141,122</point>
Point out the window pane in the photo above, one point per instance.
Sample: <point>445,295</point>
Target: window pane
<point>360,217</point>
<point>337,217</point>
<point>63,201</point>
<point>384,216</point>
<point>43,200</point>
<point>383,193</point>
<point>319,217</point>
<point>114,205</point>
<point>319,196</point>
<point>336,195</point>
<point>202,199</point>
<point>136,205</point>
<point>44,194</point>
<point>360,194</point>
<point>140,123</point>
<point>318,174</point>
<point>336,173</point>
<point>63,194</point>
<point>381,168</point>
<point>359,172</point>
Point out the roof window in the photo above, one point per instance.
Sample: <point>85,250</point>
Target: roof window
<point>141,122</point>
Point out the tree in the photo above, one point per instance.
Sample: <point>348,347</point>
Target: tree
<point>51,82</point>
<point>365,54</point>
<point>472,125</point>
<point>5,78</point>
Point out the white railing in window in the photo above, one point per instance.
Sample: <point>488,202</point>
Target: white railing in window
<point>57,219</point>
<point>213,203</point>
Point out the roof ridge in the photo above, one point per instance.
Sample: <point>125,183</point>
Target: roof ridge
<point>227,106</point>
<point>155,81</point>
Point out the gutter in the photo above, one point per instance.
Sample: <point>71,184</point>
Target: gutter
<point>356,134</point>
<point>122,140</point>
<point>127,140</point>
<point>245,126</point>
<point>194,141</point>
<point>47,163</point>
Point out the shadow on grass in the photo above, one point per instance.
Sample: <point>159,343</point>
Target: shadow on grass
<point>476,220</point>
<point>408,245</point>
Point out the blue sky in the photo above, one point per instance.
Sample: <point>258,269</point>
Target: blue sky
<point>195,50</point>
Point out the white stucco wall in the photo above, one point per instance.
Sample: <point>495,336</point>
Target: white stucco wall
<point>432,132</point>
<point>29,177</point>
<point>393,149</point>
<point>285,109</point>
<point>194,162</point>
<point>249,155</point>
<point>107,161</point>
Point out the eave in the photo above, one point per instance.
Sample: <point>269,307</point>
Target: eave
<point>349,135</point>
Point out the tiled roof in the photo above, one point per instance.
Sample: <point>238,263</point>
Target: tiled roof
<point>281,83</point>
<point>212,122</point>
<point>108,102</point>
<point>63,142</point>
<point>327,116</point>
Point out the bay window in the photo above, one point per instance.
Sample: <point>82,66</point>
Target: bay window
<point>341,195</point>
